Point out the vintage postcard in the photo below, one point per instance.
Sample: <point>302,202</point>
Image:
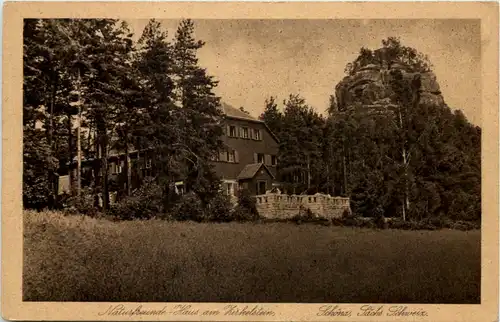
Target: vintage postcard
<point>250,161</point>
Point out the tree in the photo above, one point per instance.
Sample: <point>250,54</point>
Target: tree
<point>405,157</point>
<point>391,52</point>
<point>37,159</point>
<point>153,97</point>
<point>272,116</point>
<point>157,126</point>
<point>406,99</point>
<point>109,46</point>
<point>300,155</point>
<point>199,113</point>
<point>42,54</point>
<point>47,87</point>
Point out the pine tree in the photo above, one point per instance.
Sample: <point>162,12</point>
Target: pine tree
<point>199,114</point>
<point>47,85</point>
<point>157,126</point>
<point>272,116</point>
<point>110,45</point>
<point>300,154</point>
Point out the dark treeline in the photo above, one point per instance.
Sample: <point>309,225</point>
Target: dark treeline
<point>414,160</point>
<point>145,95</point>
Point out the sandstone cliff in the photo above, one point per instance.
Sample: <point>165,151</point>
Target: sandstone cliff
<point>370,86</point>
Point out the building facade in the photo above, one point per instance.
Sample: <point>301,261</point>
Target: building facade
<point>251,156</point>
<point>248,162</point>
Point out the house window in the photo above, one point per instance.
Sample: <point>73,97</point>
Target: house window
<point>245,133</point>
<point>260,158</point>
<point>229,188</point>
<point>231,156</point>
<point>274,160</point>
<point>223,156</point>
<point>116,168</point>
<point>256,134</point>
<point>179,188</point>
<point>232,131</point>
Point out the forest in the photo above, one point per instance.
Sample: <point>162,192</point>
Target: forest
<point>90,88</point>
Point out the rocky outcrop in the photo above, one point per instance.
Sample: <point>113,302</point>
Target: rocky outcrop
<point>370,85</point>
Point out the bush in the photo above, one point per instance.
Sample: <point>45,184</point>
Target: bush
<point>350,219</point>
<point>242,214</point>
<point>426,226</point>
<point>247,202</point>
<point>144,203</point>
<point>398,223</point>
<point>347,214</point>
<point>220,209</point>
<point>379,219</point>
<point>189,208</point>
<point>84,205</point>
<point>438,222</point>
<point>350,222</point>
<point>305,215</point>
<point>246,210</point>
<point>465,225</point>
<point>370,223</point>
<point>337,221</point>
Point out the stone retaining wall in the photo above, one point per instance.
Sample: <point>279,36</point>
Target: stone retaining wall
<point>282,206</point>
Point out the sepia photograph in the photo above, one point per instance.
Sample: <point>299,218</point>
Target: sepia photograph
<point>253,161</point>
<point>293,155</point>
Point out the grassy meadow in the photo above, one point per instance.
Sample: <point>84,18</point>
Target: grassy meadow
<point>77,258</point>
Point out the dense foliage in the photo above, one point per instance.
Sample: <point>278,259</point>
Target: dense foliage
<point>392,51</point>
<point>150,95</point>
<point>414,161</point>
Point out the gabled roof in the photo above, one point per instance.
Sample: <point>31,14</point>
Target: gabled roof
<point>250,170</point>
<point>235,113</point>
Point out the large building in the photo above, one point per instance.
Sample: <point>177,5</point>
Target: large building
<point>250,160</point>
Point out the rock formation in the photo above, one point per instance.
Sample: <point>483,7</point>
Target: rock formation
<point>370,86</point>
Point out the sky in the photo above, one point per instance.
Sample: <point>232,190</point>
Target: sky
<point>254,59</point>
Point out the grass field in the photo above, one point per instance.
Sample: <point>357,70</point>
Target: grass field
<point>77,258</point>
